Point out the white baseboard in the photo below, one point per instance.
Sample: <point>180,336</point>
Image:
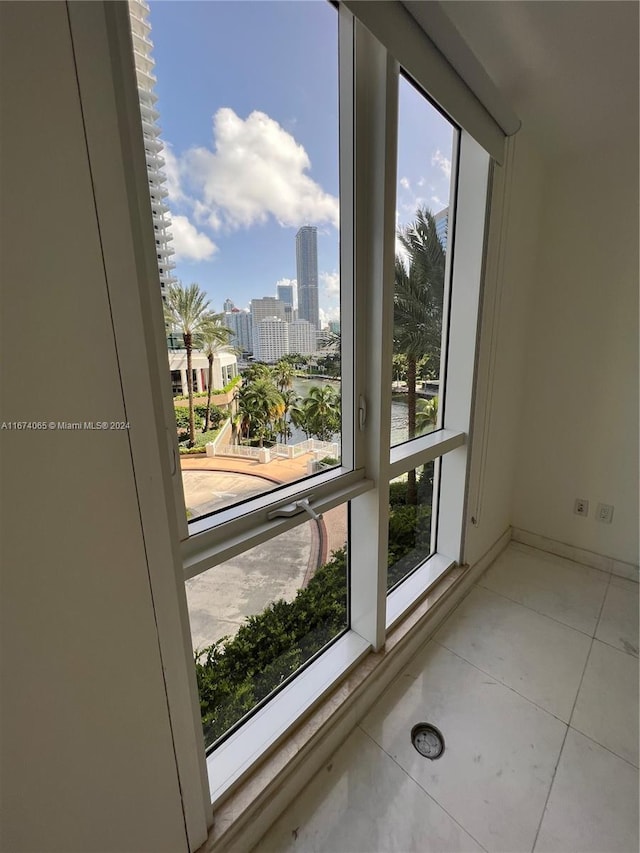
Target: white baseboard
<point>579,555</point>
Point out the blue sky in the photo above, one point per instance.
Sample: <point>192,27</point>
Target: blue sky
<point>248,102</point>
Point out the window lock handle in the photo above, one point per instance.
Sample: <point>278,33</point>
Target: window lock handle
<point>295,508</point>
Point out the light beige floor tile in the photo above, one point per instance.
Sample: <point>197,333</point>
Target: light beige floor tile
<point>618,624</point>
<point>362,802</point>
<point>535,655</point>
<point>566,591</point>
<point>593,807</point>
<point>625,570</point>
<point>500,749</point>
<point>607,706</point>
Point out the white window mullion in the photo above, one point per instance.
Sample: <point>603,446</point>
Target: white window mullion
<point>376,145</point>
<point>424,449</point>
<point>346,45</point>
<point>465,293</point>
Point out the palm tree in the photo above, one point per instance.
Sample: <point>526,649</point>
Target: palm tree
<point>257,370</point>
<point>418,301</point>
<point>322,412</point>
<point>284,374</point>
<point>261,405</point>
<point>213,337</point>
<point>426,414</point>
<point>291,403</point>
<point>298,415</point>
<point>186,311</point>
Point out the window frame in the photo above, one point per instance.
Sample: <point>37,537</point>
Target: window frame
<point>368,116</point>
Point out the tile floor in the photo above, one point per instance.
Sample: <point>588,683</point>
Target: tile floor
<point>533,681</point>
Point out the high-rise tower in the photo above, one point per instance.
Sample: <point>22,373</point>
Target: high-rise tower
<point>285,295</point>
<point>153,146</point>
<point>307,272</point>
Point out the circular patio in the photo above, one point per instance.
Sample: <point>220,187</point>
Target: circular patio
<point>221,598</point>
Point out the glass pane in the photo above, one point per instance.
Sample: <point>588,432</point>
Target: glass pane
<point>259,617</point>
<point>242,162</point>
<point>425,154</point>
<point>411,511</point>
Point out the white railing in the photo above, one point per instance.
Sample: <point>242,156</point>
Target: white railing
<point>266,454</point>
<point>310,445</point>
<point>238,450</point>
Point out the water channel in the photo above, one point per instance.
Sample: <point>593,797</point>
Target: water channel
<point>399,429</point>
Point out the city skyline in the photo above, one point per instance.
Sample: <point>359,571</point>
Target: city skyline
<point>251,145</point>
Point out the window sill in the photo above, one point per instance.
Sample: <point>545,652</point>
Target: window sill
<point>243,795</point>
<point>260,734</point>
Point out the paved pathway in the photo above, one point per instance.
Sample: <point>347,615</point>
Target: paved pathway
<point>220,599</point>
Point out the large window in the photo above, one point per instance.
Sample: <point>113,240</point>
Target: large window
<point>427,143</point>
<point>247,164</point>
<point>311,330</point>
<point>260,172</point>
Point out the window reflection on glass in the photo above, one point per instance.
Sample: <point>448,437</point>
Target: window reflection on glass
<point>411,509</point>
<point>244,192</point>
<point>258,617</point>
<point>425,153</point>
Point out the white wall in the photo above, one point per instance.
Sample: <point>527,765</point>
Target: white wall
<point>579,430</point>
<point>87,753</point>
<point>509,278</point>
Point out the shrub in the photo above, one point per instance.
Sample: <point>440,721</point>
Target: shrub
<point>398,493</point>
<point>199,395</point>
<point>216,416</point>
<point>234,674</point>
<point>201,439</point>
<point>182,417</point>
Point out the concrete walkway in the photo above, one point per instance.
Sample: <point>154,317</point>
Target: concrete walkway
<point>221,599</point>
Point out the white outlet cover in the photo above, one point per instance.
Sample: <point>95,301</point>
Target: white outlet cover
<point>581,507</point>
<point>604,513</point>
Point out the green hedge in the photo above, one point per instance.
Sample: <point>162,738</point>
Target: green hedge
<point>202,438</point>
<point>235,674</point>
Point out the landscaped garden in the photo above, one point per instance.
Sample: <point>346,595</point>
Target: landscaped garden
<point>236,673</point>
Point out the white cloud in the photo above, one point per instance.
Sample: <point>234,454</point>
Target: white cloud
<point>436,201</point>
<point>443,162</point>
<point>172,171</point>
<point>404,183</point>
<point>331,284</point>
<point>204,216</point>
<point>420,181</point>
<point>257,170</point>
<point>327,315</point>
<point>189,243</point>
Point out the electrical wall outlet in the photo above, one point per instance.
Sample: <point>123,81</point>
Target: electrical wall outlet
<point>581,507</point>
<point>604,513</point>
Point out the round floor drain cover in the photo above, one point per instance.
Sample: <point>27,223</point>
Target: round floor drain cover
<point>427,740</point>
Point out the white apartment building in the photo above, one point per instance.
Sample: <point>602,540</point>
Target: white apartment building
<point>153,145</point>
<point>240,324</point>
<point>302,337</point>
<point>225,367</point>
<point>267,306</point>
<point>270,339</point>
<point>442,225</point>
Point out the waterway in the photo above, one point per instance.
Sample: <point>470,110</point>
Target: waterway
<point>399,428</point>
